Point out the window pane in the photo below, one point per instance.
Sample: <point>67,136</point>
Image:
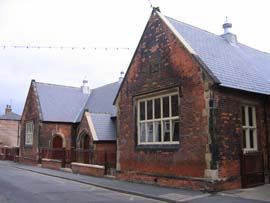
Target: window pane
<point>251,139</point>
<point>157,108</point>
<point>166,131</point>
<point>158,132</point>
<point>250,118</point>
<point>244,139</point>
<point>165,107</point>
<point>175,126</point>
<point>142,132</point>
<point>142,110</point>
<point>174,105</point>
<point>243,116</point>
<point>149,109</point>
<point>150,132</point>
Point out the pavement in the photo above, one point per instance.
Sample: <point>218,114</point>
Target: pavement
<point>165,194</point>
<point>261,193</point>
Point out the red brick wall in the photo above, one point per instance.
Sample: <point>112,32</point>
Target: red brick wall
<point>87,169</point>
<point>229,129</point>
<point>9,131</point>
<point>177,68</point>
<point>30,113</point>
<point>52,164</point>
<point>83,127</point>
<point>49,130</point>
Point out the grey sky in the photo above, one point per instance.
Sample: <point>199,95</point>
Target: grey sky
<point>106,23</point>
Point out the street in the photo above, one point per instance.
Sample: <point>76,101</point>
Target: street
<point>24,184</point>
<point>19,186</point>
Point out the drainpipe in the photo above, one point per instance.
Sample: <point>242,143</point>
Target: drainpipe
<point>267,136</point>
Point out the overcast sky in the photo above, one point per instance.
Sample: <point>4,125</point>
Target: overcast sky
<point>101,23</point>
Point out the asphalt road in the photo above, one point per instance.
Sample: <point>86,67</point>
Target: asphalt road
<point>23,186</point>
<point>20,186</point>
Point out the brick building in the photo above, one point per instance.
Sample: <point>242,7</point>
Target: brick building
<point>9,128</point>
<point>194,109</point>
<point>57,117</point>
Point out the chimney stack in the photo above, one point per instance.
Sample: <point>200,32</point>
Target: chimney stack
<point>227,35</point>
<point>85,88</point>
<point>8,109</point>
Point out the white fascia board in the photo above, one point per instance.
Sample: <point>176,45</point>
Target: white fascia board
<point>176,33</point>
<point>91,126</point>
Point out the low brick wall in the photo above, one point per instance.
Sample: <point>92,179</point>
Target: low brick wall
<point>202,184</point>
<point>51,163</point>
<point>88,169</point>
<point>28,161</point>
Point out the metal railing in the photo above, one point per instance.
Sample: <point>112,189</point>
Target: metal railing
<point>91,156</point>
<point>9,153</point>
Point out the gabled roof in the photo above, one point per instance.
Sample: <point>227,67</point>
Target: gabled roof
<point>10,116</point>
<point>235,66</point>
<point>60,103</point>
<point>67,104</point>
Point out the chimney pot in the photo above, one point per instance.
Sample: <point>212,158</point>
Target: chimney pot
<point>228,35</point>
<point>121,77</point>
<point>8,109</point>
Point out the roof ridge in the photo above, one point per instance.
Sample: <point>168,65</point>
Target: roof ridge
<point>195,27</point>
<point>51,84</point>
<point>105,85</point>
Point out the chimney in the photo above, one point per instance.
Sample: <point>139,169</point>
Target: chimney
<point>121,77</point>
<point>85,88</point>
<point>227,35</point>
<point>8,109</point>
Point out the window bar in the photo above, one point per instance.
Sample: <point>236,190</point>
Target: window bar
<point>161,119</point>
<point>145,125</point>
<point>138,122</point>
<point>170,115</point>
<point>154,127</point>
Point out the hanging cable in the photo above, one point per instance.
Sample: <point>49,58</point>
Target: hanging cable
<point>65,47</point>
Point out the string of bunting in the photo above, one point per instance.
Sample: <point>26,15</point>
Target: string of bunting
<point>65,47</point>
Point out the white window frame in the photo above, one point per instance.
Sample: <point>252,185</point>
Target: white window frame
<point>247,127</point>
<point>153,120</point>
<point>29,131</point>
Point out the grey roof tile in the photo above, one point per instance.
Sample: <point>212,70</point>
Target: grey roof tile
<point>60,103</point>
<point>67,104</point>
<point>105,127</point>
<point>10,116</point>
<point>101,99</point>
<point>239,67</point>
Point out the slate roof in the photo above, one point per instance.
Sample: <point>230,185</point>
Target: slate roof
<point>105,127</point>
<point>60,103</point>
<point>101,99</point>
<point>240,67</point>
<point>10,116</point>
<point>67,104</point>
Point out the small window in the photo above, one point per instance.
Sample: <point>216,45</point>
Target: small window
<point>29,129</point>
<point>158,120</point>
<point>249,128</point>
